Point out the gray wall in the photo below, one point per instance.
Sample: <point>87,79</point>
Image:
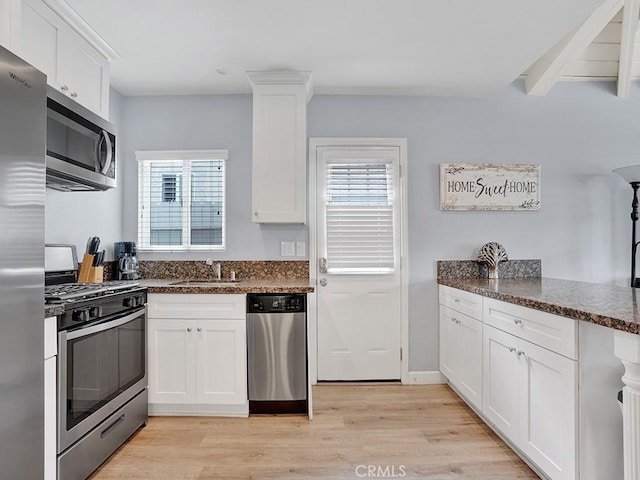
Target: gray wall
<point>72,217</point>
<point>578,133</point>
<point>202,122</point>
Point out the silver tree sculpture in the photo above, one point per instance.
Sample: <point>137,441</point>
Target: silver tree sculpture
<point>492,254</point>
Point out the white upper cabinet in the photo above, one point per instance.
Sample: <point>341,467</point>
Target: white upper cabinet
<point>9,24</point>
<point>279,173</point>
<point>73,65</point>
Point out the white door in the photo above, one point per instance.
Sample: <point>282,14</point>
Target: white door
<point>359,299</point>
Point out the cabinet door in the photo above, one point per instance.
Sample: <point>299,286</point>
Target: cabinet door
<point>83,73</point>
<point>221,362</point>
<point>279,154</point>
<point>469,381</point>
<point>172,369</point>
<point>50,411</point>
<point>71,64</point>
<point>42,32</point>
<point>10,24</point>
<point>547,403</point>
<point>500,380</point>
<point>449,344</point>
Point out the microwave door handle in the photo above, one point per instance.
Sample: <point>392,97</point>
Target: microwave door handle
<point>104,138</point>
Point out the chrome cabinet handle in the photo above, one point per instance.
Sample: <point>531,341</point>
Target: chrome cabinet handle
<point>189,329</point>
<point>323,282</point>
<point>520,352</point>
<point>512,349</point>
<point>74,94</point>
<point>64,88</point>
<point>456,300</point>
<point>199,329</point>
<point>517,321</point>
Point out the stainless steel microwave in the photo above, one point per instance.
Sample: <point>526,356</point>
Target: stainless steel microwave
<point>81,146</point>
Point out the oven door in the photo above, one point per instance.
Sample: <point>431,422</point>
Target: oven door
<point>100,368</point>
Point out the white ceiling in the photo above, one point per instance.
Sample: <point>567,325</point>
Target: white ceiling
<point>409,47</point>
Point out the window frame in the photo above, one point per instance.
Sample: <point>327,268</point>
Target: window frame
<point>145,159</point>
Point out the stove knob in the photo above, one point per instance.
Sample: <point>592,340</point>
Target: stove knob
<point>131,302</point>
<point>80,316</point>
<point>95,312</point>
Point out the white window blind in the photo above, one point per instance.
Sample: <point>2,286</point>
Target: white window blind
<point>360,218</point>
<point>181,200</point>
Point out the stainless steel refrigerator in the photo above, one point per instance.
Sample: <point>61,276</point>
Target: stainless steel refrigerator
<point>23,99</point>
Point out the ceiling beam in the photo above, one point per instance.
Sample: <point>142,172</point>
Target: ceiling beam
<point>547,70</point>
<point>627,41</point>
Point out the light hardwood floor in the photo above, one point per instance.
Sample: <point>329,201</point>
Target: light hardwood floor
<point>421,431</point>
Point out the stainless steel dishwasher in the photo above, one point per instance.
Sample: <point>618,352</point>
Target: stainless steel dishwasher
<point>277,353</point>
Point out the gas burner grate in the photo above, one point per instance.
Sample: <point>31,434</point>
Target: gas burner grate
<point>72,291</point>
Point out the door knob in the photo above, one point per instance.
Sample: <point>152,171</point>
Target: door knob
<point>323,282</point>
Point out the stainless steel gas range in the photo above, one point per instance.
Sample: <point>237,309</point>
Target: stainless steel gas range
<point>102,365</point>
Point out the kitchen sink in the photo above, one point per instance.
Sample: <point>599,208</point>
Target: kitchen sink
<point>205,283</point>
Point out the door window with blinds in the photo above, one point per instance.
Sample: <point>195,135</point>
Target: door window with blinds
<point>181,200</point>
<point>361,215</point>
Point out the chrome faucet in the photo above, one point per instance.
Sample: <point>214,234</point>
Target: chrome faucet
<point>217,268</point>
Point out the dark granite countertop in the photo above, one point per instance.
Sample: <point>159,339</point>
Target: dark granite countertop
<point>244,286</point>
<point>53,310</point>
<point>608,305</point>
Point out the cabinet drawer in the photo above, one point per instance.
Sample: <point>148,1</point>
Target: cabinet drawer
<point>464,302</point>
<point>210,306</point>
<point>558,334</point>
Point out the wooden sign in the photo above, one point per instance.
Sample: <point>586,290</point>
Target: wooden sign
<point>489,186</point>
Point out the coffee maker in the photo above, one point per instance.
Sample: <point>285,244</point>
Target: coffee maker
<point>125,254</point>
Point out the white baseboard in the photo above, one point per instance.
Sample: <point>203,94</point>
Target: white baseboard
<point>424,378</point>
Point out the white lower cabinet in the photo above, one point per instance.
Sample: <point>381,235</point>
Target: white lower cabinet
<point>530,396</point>
<point>500,381</point>
<point>518,368</point>
<point>461,353</point>
<point>197,354</point>
<point>50,397</point>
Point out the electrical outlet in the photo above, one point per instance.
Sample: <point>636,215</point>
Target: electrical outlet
<point>301,249</point>
<point>287,249</point>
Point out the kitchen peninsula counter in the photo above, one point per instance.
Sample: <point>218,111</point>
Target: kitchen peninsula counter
<point>608,305</point>
<point>274,285</point>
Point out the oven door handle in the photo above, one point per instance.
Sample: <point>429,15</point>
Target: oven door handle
<point>101,327</point>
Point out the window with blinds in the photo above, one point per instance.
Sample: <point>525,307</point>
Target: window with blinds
<point>181,200</point>
<point>360,218</point>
